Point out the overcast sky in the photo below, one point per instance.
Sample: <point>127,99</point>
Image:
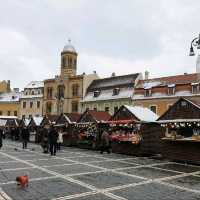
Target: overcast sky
<point>122,36</point>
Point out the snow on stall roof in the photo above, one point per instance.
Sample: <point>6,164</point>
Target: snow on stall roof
<point>35,84</point>
<point>3,122</point>
<point>144,114</point>
<point>8,117</point>
<point>38,120</point>
<point>26,121</point>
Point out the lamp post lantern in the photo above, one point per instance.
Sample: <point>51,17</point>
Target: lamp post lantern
<point>195,44</point>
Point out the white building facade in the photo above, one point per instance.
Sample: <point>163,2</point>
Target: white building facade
<point>31,102</point>
<point>109,94</point>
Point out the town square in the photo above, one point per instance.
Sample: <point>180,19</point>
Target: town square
<point>99,100</point>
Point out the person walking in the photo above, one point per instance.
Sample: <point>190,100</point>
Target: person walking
<point>53,137</point>
<point>25,137</point>
<point>1,138</point>
<point>60,139</point>
<point>105,142</point>
<point>44,140</point>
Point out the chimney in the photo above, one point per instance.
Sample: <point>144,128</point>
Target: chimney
<point>113,74</point>
<point>146,75</point>
<point>16,90</point>
<point>8,85</point>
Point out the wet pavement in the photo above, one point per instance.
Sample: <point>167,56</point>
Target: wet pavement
<point>87,175</point>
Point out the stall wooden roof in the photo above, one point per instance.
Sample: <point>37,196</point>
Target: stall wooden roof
<point>49,119</point>
<point>183,110</point>
<point>134,113</point>
<point>94,116</point>
<point>68,118</point>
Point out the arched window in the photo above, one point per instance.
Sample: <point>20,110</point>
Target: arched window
<point>63,61</point>
<point>74,106</point>
<point>75,90</point>
<point>61,91</point>
<point>70,61</point>
<point>32,93</point>
<point>48,107</point>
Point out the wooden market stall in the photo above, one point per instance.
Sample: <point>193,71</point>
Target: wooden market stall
<point>11,126</point>
<point>66,122</point>
<point>49,120</point>
<point>34,127</point>
<point>135,131</point>
<point>90,127</point>
<point>182,131</point>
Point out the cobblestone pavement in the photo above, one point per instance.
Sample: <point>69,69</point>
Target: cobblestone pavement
<point>87,175</point>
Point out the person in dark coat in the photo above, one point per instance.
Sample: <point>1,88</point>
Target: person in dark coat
<point>44,140</point>
<point>105,142</point>
<point>25,137</point>
<point>53,137</point>
<point>1,138</point>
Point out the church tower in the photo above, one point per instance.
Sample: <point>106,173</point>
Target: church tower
<point>68,60</point>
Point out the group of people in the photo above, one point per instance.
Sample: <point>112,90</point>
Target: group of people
<point>51,140</point>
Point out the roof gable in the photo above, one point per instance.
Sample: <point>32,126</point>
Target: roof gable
<point>114,81</point>
<point>94,116</point>
<point>137,113</point>
<point>169,80</point>
<point>182,109</point>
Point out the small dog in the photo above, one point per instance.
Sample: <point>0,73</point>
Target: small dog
<point>22,181</point>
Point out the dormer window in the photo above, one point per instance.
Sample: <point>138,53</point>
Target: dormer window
<point>116,91</point>
<point>96,93</point>
<point>147,92</point>
<point>195,88</point>
<point>171,89</point>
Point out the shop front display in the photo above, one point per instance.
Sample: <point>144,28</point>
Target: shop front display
<point>90,127</point>
<point>130,127</point>
<point>182,131</point>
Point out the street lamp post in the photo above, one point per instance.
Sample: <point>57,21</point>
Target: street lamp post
<point>195,44</point>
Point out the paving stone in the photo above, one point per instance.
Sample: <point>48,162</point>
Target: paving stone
<point>191,182</point>
<point>144,161</point>
<point>87,159</point>
<point>44,190</point>
<point>12,165</point>
<point>6,176</point>
<point>32,157</point>
<point>180,167</point>
<point>50,161</point>
<point>5,159</point>
<point>94,197</point>
<point>73,169</point>
<point>154,191</point>
<point>107,179</point>
<point>113,164</point>
<point>148,172</point>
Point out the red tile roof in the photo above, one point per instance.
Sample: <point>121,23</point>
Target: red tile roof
<point>100,115</point>
<point>178,79</point>
<point>73,117</point>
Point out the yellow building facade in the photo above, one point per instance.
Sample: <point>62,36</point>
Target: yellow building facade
<point>63,93</point>
<point>10,104</point>
<point>5,86</point>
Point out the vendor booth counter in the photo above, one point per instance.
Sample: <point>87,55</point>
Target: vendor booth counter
<point>135,132</point>
<point>66,122</point>
<point>182,132</point>
<point>90,127</point>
